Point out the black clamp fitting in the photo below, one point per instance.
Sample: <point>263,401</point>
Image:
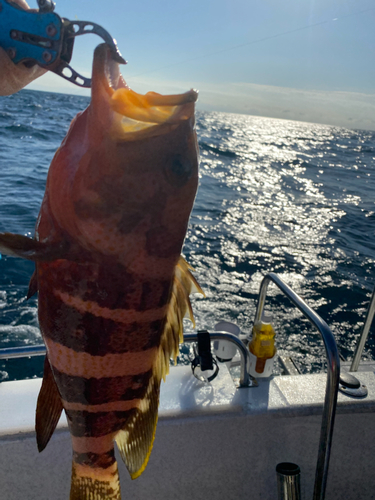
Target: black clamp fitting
<point>203,358</point>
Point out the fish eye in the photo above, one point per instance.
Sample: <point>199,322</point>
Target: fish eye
<point>179,170</point>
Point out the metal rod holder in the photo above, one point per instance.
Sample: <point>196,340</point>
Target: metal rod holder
<point>245,378</point>
<point>333,375</point>
<point>288,481</point>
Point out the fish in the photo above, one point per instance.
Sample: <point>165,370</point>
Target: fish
<point>113,288</point>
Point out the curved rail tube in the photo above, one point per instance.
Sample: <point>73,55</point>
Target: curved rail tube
<point>333,375</point>
<point>245,378</point>
<point>22,351</point>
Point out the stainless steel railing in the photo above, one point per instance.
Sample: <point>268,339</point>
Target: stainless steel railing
<point>333,375</point>
<point>364,334</point>
<point>245,378</point>
<point>22,352</point>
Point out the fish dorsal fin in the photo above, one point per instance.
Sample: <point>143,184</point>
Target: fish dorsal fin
<point>16,245</point>
<point>179,307</point>
<point>136,439</point>
<point>48,409</point>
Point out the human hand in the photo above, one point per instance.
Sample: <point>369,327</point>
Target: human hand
<point>13,77</point>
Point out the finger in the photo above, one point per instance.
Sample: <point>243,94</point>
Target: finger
<point>14,77</point>
<point>22,3</point>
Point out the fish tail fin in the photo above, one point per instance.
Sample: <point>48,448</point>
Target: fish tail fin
<point>93,478</point>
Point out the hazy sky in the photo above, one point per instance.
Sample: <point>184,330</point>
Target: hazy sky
<point>311,60</point>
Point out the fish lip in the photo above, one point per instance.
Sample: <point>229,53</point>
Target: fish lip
<point>135,115</point>
<point>113,75</point>
<point>106,71</point>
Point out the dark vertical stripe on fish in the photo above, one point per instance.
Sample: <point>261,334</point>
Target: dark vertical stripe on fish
<point>86,424</point>
<point>89,281</point>
<point>101,390</point>
<point>102,460</point>
<point>95,335</point>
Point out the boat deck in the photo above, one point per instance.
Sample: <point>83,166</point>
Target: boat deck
<point>213,441</point>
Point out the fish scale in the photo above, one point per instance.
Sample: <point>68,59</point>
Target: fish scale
<point>113,288</point>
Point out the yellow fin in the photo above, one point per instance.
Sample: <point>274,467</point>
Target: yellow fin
<point>48,409</point>
<point>183,269</point>
<point>179,306</point>
<point>135,440</point>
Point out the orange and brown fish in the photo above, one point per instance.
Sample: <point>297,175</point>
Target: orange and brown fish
<point>113,288</point>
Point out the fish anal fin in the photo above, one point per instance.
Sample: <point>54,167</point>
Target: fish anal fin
<point>16,245</point>
<point>136,439</point>
<point>48,409</point>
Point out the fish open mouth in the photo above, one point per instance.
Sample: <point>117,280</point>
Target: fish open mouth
<point>134,115</point>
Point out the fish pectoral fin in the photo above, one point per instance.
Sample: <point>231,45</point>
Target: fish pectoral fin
<point>136,439</point>
<point>48,409</point>
<point>33,285</point>
<point>16,245</point>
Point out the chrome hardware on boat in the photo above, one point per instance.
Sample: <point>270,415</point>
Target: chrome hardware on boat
<point>23,351</point>
<point>246,380</point>
<point>288,481</point>
<point>333,374</point>
<point>364,334</point>
<point>351,386</point>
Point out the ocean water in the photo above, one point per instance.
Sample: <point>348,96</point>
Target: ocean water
<point>275,195</point>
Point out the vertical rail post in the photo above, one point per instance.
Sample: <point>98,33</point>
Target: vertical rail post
<point>333,375</point>
<point>364,334</point>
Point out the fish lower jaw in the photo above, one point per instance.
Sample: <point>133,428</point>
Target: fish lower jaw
<point>138,116</point>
